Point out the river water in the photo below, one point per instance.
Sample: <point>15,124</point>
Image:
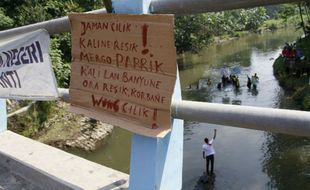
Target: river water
<point>245,159</point>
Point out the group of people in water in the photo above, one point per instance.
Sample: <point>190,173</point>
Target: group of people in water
<point>234,80</point>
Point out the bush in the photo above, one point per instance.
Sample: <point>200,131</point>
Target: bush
<point>306,102</point>
<point>297,86</point>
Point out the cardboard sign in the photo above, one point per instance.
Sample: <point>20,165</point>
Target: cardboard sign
<point>124,70</point>
<point>25,68</point>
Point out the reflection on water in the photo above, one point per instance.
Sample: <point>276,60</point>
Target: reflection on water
<point>287,161</point>
<point>115,153</point>
<point>245,159</point>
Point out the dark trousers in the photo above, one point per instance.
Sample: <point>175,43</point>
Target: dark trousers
<point>209,159</point>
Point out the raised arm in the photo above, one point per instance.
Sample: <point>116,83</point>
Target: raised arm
<point>214,134</point>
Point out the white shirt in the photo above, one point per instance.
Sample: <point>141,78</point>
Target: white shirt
<point>254,80</point>
<point>208,149</point>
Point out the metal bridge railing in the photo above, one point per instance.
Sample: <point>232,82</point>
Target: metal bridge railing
<point>267,119</point>
<point>201,6</point>
<point>54,26</point>
<point>60,25</point>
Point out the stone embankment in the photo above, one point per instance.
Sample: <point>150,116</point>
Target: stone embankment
<point>74,131</point>
<point>90,137</point>
<point>61,128</point>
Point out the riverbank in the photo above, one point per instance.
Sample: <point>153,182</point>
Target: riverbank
<point>267,26</point>
<point>60,128</point>
<point>295,81</point>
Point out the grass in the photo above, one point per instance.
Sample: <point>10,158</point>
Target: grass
<point>46,122</point>
<point>30,122</point>
<point>273,24</point>
<point>61,127</point>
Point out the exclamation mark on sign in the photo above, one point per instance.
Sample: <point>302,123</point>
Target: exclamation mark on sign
<point>154,125</point>
<point>144,39</point>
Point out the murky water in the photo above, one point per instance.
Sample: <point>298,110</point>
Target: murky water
<point>245,159</point>
<point>115,153</point>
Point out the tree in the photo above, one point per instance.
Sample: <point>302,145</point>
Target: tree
<point>304,10</point>
<point>286,11</point>
<point>5,21</point>
<point>191,33</point>
<point>60,67</point>
<point>302,23</point>
<point>255,18</point>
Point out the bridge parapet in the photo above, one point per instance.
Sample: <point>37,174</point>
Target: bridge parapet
<point>51,168</point>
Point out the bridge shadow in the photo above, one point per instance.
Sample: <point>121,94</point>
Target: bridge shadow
<point>114,185</point>
<point>205,182</point>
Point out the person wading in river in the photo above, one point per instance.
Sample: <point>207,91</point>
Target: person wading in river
<point>208,153</point>
<point>254,81</point>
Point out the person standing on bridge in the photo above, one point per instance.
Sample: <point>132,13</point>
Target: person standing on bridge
<point>208,153</point>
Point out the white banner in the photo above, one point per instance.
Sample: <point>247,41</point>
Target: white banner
<point>25,68</point>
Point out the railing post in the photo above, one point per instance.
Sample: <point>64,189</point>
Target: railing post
<point>155,163</point>
<point>3,118</point>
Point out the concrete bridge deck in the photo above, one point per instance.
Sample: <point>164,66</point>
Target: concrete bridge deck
<point>12,181</point>
<point>27,164</point>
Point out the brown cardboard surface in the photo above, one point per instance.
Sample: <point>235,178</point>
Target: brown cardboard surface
<point>124,70</point>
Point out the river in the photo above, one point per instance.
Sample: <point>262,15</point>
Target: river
<point>245,159</point>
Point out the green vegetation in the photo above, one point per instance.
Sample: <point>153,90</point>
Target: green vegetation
<point>30,122</point>
<point>60,126</point>
<point>295,82</point>
<point>5,21</point>
<point>295,79</point>
<point>284,16</point>
<point>193,32</point>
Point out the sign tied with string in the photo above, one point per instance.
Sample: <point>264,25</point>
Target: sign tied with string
<point>124,70</point>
